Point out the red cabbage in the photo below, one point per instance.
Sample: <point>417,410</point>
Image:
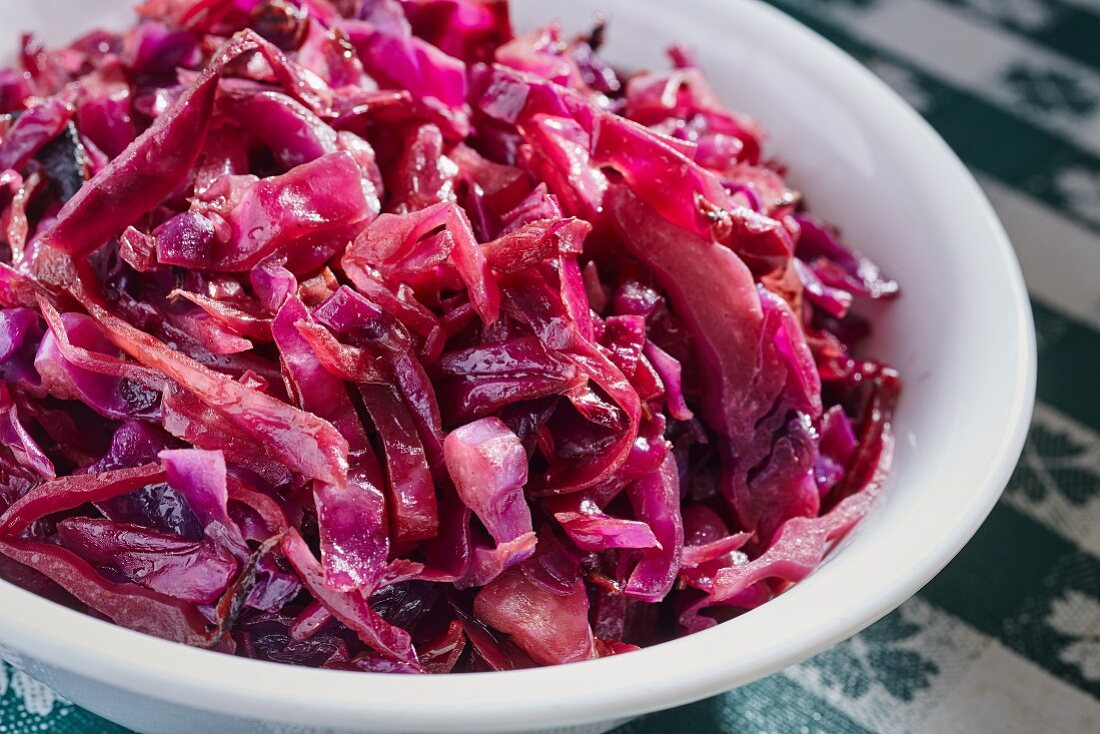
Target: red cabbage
<point>20,333</point>
<point>192,571</point>
<point>551,628</point>
<point>488,465</point>
<point>147,171</point>
<point>836,266</point>
<point>15,436</point>
<point>466,29</point>
<point>370,335</point>
<point>656,501</point>
<point>351,607</point>
<point>126,604</point>
<point>591,529</point>
<point>33,130</point>
<point>71,368</point>
<point>314,203</point>
<point>398,60</point>
<point>200,477</point>
<point>352,525</point>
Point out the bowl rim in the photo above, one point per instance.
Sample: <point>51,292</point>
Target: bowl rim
<point>605,689</point>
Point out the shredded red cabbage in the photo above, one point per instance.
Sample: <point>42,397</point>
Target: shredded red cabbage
<point>369,335</point>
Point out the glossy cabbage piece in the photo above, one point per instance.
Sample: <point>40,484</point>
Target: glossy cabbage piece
<point>373,335</point>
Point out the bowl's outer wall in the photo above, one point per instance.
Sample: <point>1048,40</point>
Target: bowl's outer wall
<point>149,716</point>
<point>961,336</point>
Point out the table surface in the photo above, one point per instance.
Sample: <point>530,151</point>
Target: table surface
<point>1007,638</point>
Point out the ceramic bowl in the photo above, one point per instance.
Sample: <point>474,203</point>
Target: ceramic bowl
<point>961,335</point>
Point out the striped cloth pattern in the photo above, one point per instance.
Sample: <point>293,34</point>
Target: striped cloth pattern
<point>1007,638</point>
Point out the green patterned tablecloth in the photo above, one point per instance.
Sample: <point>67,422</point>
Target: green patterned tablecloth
<point>1007,638</point>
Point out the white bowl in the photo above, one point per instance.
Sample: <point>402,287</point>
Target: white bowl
<point>961,335</point>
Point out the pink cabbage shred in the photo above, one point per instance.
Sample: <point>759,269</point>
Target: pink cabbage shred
<point>372,335</point>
